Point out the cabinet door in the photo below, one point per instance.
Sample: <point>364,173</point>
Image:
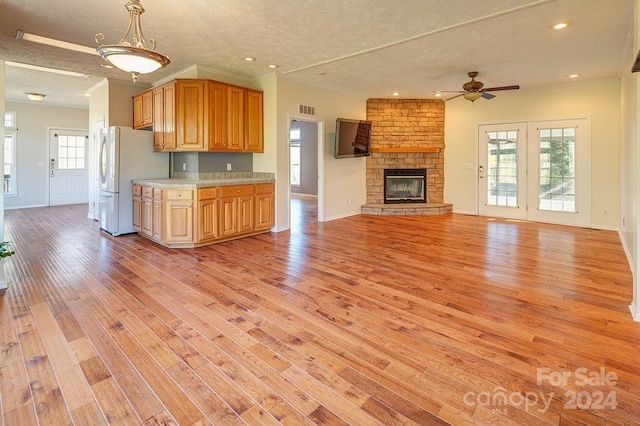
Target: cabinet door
<point>235,99</point>
<point>208,220</point>
<point>254,139</point>
<point>218,126</point>
<point>137,214</point>
<point>147,217</point>
<point>158,118</point>
<point>157,220</point>
<point>178,217</point>
<point>169,116</point>
<point>142,110</point>
<point>264,211</point>
<point>228,216</point>
<point>245,213</point>
<point>191,114</point>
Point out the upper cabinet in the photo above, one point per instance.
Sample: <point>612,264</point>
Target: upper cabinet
<point>143,110</point>
<point>205,115</point>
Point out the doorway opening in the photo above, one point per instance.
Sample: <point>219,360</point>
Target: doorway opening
<point>304,182</point>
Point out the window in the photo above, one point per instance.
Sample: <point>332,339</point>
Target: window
<point>503,168</point>
<point>10,138</point>
<point>71,153</point>
<point>558,169</point>
<point>294,140</point>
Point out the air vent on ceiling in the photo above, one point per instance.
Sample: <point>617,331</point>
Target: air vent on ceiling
<point>307,110</point>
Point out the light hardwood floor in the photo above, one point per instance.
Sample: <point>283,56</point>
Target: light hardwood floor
<point>362,320</point>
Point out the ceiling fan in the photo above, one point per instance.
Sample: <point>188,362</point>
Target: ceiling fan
<point>474,90</point>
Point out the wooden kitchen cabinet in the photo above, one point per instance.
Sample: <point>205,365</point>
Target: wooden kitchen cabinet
<point>191,217</point>
<point>192,115</point>
<point>208,215</point>
<point>236,216</point>
<point>264,206</point>
<point>143,110</point>
<point>254,134</point>
<point>164,132</point>
<point>178,216</point>
<point>206,115</point>
<point>137,208</point>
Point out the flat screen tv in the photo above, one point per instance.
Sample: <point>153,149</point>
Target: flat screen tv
<point>353,138</point>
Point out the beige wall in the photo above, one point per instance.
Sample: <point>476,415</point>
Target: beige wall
<point>34,121</point>
<point>598,100</point>
<point>341,191</point>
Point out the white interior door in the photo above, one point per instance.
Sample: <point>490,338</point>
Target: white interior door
<point>502,170</point>
<point>68,175</point>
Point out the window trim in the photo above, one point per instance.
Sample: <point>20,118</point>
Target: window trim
<point>14,148</point>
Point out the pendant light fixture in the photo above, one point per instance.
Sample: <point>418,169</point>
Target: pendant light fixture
<point>132,53</point>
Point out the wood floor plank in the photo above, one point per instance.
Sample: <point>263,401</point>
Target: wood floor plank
<point>75,389</point>
<point>361,320</point>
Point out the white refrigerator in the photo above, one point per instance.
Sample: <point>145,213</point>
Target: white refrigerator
<point>125,154</point>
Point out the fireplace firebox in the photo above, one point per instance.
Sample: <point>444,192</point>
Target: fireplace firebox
<point>405,186</point>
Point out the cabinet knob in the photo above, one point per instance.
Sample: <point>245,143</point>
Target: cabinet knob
<point>237,190</point>
<point>179,195</point>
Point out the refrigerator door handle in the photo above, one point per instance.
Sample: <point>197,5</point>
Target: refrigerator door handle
<point>105,194</point>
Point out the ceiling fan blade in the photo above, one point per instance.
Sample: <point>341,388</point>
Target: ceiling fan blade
<point>495,89</point>
<point>456,96</point>
<point>488,95</point>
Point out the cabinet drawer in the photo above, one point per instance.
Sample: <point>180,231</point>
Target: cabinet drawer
<point>179,194</point>
<point>264,188</point>
<point>147,192</point>
<point>137,191</point>
<point>236,191</point>
<point>157,194</point>
<point>207,193</point>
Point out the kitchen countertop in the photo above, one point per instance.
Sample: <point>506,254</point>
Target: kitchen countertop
<point>199,183</point>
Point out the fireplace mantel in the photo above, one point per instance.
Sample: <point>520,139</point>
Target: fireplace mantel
<point>405,149</point>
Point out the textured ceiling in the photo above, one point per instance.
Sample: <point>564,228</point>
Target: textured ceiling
<point>367,48</point>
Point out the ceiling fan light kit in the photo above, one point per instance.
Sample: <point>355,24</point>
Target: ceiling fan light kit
<point>35,96</point>
<point>132,53</point>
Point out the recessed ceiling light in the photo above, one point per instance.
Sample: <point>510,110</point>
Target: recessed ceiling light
<point>273,66</point>
<point>249,59</point>
<point>21,35</point>
<point>560,26</point>
<point>395,93</point>
<point>574,75</point>
<point>437,94</point>
<point>46,69</point>
<point>88,95</point>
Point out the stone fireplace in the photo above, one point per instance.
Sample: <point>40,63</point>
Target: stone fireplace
<point>406,134</point>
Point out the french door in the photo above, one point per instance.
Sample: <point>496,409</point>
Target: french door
<point>536,170</point>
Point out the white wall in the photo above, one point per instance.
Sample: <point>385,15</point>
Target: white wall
<point>2,110</point>
<point>599,100</point>
<point>629,161</point>
<point>34,121</point>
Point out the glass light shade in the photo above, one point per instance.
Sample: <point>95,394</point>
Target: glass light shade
<point>472,96</point>
<point>132,59</point>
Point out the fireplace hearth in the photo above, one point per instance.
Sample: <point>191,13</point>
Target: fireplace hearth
<point>405,186</point>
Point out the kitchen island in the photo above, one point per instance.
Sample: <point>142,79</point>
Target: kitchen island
<point>184,213</point>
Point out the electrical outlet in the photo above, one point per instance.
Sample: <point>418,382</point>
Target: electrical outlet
<point>21,195</point>
<point>605,212</point>
<point>184,166</point>
<point>228,167</point>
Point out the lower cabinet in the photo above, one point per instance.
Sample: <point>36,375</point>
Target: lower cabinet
<point>178,216</point>
<point>185,217</point>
